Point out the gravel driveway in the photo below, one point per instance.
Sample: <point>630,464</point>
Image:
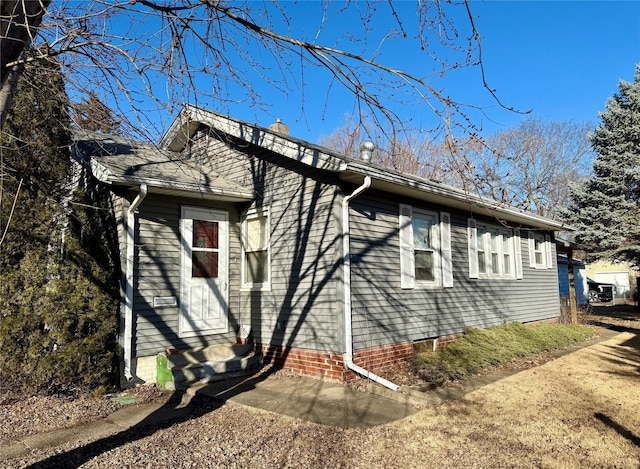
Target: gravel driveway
<point>576,411</point>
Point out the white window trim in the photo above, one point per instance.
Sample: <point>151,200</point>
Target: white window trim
<point>472,243</point>
<point>250,214</point>
<point>407,272</point>
<point>514,245</point>
<point>445,250</point>
<point>517,246</point>
<point>443,267</point>
<point>546,252</point>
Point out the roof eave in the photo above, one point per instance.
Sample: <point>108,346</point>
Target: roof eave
<point>436,192</point>
<point>350,169</point>
<point>158,186</point>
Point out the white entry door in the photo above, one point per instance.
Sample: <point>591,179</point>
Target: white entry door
<point>204,236</point>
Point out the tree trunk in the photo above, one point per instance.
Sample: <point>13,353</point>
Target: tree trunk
<point>19,22</point>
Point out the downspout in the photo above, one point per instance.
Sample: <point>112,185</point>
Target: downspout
<point>348,334</point>
<point>128,299</point>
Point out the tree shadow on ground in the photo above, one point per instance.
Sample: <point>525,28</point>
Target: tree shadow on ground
<point>626,433</point>
<point>619,318</point>
<point>173,412</point>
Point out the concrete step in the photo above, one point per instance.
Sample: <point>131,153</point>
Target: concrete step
<point>203,365</point>
<point>211,353</point>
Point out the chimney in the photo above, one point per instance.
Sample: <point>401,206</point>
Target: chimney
<point>366,151</point>
<point>279,127</point>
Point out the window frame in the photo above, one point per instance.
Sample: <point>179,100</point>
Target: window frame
<point>487,242</point>
<point>434,235</point>
<point>253,214</point>
<point>510,237</point>
<point>546,253</point>
<point>440,235</point>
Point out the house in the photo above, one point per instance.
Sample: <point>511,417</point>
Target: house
<point>337,265</point>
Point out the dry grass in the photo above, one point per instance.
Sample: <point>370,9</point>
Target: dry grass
<point>579,410</point>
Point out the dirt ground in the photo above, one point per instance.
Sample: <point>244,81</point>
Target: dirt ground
<point>580,410</point>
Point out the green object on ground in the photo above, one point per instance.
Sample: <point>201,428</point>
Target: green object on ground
<point>163,373</point>
<point>126,400</point>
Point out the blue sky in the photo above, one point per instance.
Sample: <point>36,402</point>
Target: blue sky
<point>560,59</point>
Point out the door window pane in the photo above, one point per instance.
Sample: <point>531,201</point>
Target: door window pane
<point>205,234</point>
<point>204,264</point>
<point>204,257</point>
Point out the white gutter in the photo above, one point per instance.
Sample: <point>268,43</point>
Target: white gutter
<point>128,299</point>
<point>348,334</point>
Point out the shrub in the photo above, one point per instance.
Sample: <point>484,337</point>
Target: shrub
<point>59,285</point>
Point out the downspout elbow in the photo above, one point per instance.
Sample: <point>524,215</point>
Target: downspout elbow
<point>138,200</point>
<point>348,316</point>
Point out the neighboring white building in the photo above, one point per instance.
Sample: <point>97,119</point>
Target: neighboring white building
<point>617,273</point>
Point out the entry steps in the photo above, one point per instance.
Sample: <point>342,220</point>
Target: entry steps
<point>178,370</point>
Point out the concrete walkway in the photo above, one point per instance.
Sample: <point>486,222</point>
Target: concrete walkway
<point>313,400</point>
<point>307,399</point>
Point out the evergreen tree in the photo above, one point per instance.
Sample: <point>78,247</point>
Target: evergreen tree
<point>58,281</point>
<point>93,114</point>
<point>605,208</point>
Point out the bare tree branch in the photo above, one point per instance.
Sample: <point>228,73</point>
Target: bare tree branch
<point>168,53</point>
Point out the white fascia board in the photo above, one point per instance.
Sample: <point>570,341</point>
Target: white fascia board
<point>185,188</point>
<point>263,138</point>
<point>100,171</point>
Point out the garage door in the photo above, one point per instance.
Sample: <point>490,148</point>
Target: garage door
<point>619,279</point>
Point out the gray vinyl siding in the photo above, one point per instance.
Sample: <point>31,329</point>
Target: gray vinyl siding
<point>158,275</point>
<point>304,306</point>
<point>300,309</point>
<point>384,313</point>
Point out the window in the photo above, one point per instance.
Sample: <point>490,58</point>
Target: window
<point>492,251</point>
<point>425,248</point>
<point>204,249</point>
<point>256,268</point>
<point>424,227</point>
<point>482,255</point>
<point>495,242</point>
<point>540,251</point>
<point>507,250</point>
